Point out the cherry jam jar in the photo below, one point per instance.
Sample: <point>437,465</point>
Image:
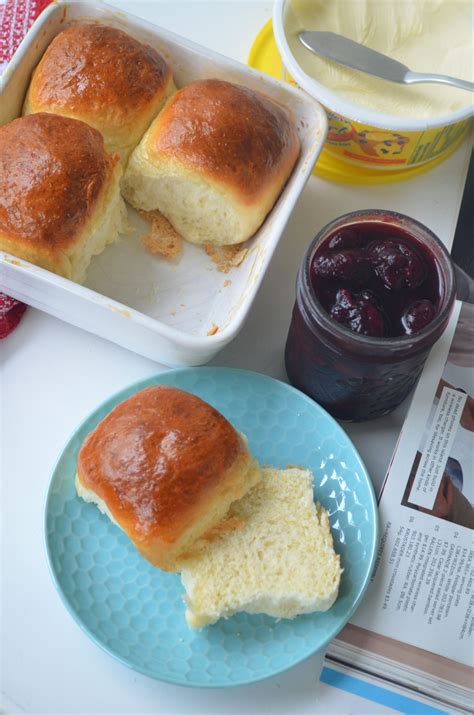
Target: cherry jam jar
<point>374,292</point>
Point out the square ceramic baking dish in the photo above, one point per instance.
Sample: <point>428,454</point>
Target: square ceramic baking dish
<point>161,310</point>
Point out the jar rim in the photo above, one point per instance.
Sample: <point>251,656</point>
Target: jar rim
<point>412,227</point>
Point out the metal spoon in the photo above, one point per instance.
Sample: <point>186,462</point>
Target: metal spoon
<point>352,54</point>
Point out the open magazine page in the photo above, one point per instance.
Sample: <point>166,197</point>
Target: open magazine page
<point>419,609</point>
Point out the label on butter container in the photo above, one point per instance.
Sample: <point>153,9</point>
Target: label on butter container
<point>381,148</point>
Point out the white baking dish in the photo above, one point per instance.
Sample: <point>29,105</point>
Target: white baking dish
<point>160,310</point>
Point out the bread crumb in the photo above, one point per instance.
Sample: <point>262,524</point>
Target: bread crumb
<point>226,257</point>
<point>120,311</point>
<point>213,330</point>
<point>227,282</point>
<point>162,240</point>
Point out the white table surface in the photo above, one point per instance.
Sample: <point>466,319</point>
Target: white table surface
<point>52,375</point>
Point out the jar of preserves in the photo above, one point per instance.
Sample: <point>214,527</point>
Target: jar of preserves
<point>374,292</point>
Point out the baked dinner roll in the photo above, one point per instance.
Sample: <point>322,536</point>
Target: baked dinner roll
<point>214,161</point>
<point>60,200</point>
<point>165,467</point>
<point>104,77</point>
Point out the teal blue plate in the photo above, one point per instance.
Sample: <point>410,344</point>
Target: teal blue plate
<point>135,612</point>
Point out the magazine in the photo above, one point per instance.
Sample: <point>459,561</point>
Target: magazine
<point>414,627</point>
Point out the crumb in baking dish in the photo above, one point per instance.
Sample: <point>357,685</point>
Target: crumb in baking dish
<point>213,330</point>
<point>162,240</point>
<point>226,257</point>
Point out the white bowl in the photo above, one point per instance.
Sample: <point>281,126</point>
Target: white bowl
<point>160,310</point>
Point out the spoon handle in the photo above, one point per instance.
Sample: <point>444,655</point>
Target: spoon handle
<point>414,77</point>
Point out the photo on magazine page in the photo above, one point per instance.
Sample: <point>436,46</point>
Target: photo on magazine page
<point>441,480</point>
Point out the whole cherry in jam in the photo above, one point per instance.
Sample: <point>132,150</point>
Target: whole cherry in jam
<point>396,264</point>
<point>350,266</point>
<point>417,316</point>
<point>376,280</point>
<point>359,312</point>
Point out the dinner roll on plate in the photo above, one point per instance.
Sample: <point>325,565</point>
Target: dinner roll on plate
<point>281,561</point>
<point>214,161</point>
<point>165,466</point>
<point>60,201</point>
<point>106,78</point>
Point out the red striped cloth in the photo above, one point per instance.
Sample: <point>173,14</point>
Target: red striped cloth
<point>16,18</point>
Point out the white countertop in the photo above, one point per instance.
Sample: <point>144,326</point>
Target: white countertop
<point>52,375</point>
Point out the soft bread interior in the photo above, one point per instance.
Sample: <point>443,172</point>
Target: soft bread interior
<point>109,219</point>
<point>280,562</point>
<point>201,211</point>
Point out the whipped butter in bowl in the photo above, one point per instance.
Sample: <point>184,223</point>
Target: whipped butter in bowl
<point>375,124</point>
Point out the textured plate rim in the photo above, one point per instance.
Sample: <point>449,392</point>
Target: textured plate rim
<point>157,379</point>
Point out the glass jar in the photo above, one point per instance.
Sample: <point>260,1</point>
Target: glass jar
<point>353,376</point>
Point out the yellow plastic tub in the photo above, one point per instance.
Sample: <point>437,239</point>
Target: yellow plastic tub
<point>356,151</point>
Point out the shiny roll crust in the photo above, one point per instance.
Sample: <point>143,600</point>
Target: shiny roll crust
<point>60,202</point>
<point>165,466</point>
<point>104,77</point>
<point>214,161</point>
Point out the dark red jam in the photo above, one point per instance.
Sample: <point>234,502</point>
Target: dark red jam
<point>377,280</point>
<point>374,293</point>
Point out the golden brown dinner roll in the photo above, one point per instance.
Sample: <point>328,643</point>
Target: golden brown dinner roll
<point>214,161</point>
<point>165,466</point>
<point>104,77</point>
<point>60,201</point>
